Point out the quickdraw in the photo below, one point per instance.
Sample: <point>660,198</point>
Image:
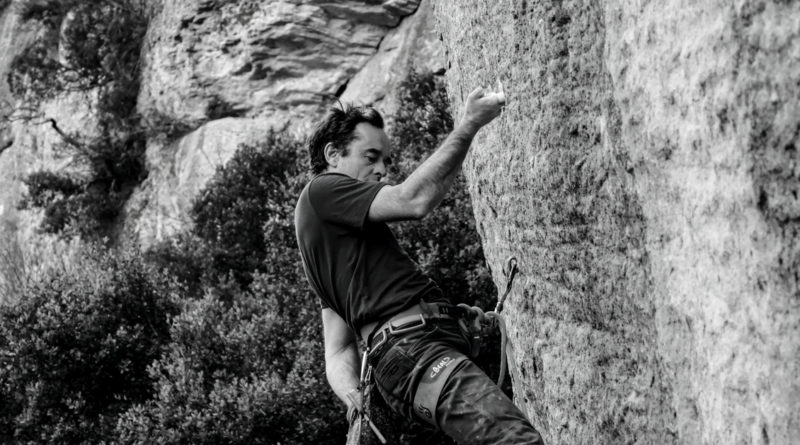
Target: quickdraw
<point>510,271</point>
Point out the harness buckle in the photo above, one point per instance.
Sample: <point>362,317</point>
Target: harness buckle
<point>382,335</point>
<point>376,342</point>
<point>407,327</point>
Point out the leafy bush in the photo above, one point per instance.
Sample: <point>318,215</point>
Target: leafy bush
<point>75,351</point>
<point>33,70</point>
<point>251,347</point>
<point>219,383</point>
<point>445,243</point>
<point>259,185</point>
<point>100,44</point>
<point>89,205</point>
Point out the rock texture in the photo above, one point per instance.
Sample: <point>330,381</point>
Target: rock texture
<point>414,44</point>
<point>645,174</point>
<point>212,59</point>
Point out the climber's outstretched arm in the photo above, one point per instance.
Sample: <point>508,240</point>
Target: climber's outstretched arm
<point>425,188</point>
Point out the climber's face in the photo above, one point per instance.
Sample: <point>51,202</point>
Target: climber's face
<point>365,158</point>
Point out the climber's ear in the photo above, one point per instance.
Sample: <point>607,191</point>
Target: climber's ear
<point>332,154</point>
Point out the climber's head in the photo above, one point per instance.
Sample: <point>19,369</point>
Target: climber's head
<point>351,141</point>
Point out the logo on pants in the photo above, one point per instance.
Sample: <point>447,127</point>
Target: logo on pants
<point>443,363</point>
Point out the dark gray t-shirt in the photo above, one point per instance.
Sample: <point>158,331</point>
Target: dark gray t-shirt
<point>355,266</point>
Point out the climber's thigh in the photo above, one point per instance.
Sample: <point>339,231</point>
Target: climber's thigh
<point>473,410</point>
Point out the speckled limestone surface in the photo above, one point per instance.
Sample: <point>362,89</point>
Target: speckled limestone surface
<point>645,174</point>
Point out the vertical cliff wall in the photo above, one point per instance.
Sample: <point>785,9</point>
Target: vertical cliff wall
<point>645,174</point>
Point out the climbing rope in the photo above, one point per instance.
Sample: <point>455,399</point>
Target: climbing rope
<point>510,271</point>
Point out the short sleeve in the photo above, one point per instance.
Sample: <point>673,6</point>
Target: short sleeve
<point>340,199</point>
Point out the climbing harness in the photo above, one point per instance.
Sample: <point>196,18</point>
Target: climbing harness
<point>432,383</point>
<point>473,321</point>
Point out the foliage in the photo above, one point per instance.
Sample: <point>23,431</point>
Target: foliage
<point>98,44</point>
<point>97,49</point>
<point>89,204</point>
<point>243,362</point>
<point>251,347</point>
<point>219,383</point>
<point>258,185</point>
<point>75,351</point>
<point>33,70</point>
<point>445,243</point>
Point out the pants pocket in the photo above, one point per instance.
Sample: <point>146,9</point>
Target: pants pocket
<point>392,375</point>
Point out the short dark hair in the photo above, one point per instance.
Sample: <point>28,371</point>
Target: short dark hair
<point>338,128</point>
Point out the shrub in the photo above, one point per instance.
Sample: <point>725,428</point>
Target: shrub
<point>445,243</point>
<point>257,185</point>
<point>75,351</point>
<point>252,345</point>
<point>244,230</point>
<point>100,44</point>
<point>219,383</point>
<point>89,205</point>
<point>33,70</point>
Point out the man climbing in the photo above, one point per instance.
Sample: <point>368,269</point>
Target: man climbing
<point>372,291</point>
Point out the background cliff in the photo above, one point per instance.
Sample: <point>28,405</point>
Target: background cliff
<point>645,173</point>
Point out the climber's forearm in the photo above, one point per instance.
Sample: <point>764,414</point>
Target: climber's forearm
<point>425,188</point>
<point>430,182</point>
<point>342,364</point>
<point>342,369</point>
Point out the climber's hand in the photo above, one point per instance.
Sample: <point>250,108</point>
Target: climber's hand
<point>355,405</point>
<point>482,107</point>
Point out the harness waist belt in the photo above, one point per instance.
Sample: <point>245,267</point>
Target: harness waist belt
<point>399,319</point>
<point>411,319</point>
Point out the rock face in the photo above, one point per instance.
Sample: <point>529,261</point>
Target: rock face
<point>645,174</point>
<point>414,44</point>
<point>213,59</point>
